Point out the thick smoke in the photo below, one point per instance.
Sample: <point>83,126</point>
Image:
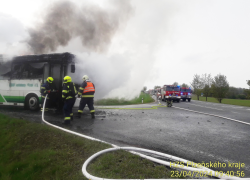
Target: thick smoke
<point>106,72</point>
<point>12,32</point>
<point>92,24</point>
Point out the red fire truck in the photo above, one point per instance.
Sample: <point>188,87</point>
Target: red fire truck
<point>186,93</point>
<point>171,92</point>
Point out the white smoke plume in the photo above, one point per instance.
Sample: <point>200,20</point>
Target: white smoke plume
<point>12,32</point>
<point>115,48</point>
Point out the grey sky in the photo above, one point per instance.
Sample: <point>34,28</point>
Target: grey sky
<point>163,41</point>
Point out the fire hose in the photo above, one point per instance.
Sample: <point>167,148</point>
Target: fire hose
<point>196,168</point>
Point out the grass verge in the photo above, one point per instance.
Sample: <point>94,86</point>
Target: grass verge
<point>238,102</point>
<point>36,151</point>
<point>122,101</point>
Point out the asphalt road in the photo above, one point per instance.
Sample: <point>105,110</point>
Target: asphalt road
<point>192,136</point>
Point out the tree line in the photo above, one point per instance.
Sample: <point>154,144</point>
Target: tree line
<point>217,87</point>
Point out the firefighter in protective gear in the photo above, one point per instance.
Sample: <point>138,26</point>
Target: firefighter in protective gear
<point>46,89</point>
<point>86,92</point>
<point>68,95</point>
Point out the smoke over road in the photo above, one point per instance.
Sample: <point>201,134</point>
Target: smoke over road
<point>65,20</point>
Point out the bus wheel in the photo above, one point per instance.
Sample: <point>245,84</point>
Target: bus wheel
<point>189,100</point>
<point>32,102</point>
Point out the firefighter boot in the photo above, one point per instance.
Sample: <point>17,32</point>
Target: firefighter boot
<point>71,118</point>
<point>78,115</point>
<point>93,115</point>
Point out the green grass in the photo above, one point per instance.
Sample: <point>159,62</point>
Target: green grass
<point>238,102</point>
<point>122,101</point>
<point>36,151</point>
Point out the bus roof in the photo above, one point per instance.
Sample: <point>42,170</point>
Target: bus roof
<point>52,58</point>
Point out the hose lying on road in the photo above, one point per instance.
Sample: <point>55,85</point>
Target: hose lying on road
<point>197,169</point>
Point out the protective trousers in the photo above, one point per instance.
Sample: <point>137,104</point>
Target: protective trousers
<point>89,101</point>
<point>47,104</point>
<point>67,108</point>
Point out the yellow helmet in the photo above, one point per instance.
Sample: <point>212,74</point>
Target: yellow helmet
<point>67,79</point>
<point>50,79</point>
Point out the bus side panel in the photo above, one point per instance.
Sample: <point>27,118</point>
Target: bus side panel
<point>33,88</point>
<point>20,88</point>
<point>4,90</point>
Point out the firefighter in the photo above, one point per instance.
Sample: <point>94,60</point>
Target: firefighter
<point>68,95</point>
<point>86,92</point>
<point>46,89</point>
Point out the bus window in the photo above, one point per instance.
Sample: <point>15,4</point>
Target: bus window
<point>73,68</point>
<point>16,71</point>
<point>56,74</point>
<point>5,69</point>
<point>27,71</point>
<point>45,72</point>
<point>35,70</point>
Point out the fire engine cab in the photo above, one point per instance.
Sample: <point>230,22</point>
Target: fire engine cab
<point>171,92</point>
<point>186,93</point>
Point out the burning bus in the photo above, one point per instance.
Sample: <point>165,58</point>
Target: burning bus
<point>21,77</point>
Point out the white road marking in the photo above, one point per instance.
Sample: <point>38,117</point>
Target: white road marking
<point>213,115</point>
<point>207,107</point>
<point>234,112</point>
<point>227,106</point>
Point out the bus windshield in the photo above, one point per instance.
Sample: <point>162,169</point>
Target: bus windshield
<point>5,69</point>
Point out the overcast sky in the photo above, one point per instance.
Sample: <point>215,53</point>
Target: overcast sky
<point>159,42</point>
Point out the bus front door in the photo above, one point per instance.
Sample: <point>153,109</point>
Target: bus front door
<point>4,91</point>
<point>57,74</point>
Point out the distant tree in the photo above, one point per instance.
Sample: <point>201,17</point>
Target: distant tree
<point>157,87</point>
<point>175,84</point>
<point>232,93</point>
<point>206,91</point>
<point>220,87</point>
<point>248,82</point>
<point>185,85</point>
<point>207,81</point>
<point>197,85</point>
<point>247,91</point>
<point>241,96</point>
<point>144,89</point>
<point>239,93</point>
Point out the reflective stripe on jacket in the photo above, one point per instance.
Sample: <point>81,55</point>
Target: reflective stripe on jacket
<point>69,90</point>
<point>89,88</point>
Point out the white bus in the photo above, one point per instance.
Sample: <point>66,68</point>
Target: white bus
<point>21,77</point>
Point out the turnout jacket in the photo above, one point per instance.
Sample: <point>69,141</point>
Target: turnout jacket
<point>45,88</point>
<point>69,90</point>
<point>87,89</point>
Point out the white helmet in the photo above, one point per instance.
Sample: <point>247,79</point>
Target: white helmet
<point>85,77</point>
